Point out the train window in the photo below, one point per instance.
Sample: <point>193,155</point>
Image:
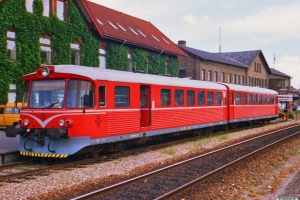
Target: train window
<point>218,98</point>
<point>179,97</point>
<point>259,99</point>
<point>190,97</point>
<point>165,97</point>
<point>237,99</point>
<point>210,98</point>
<point>122,96</point>
<point>265,99</point>
<point>47,94</point>
<point>272,99</point>
<point>244,99</point>
<point>201,98</point>
<point>249,99</point>
<point>102,97</point>
<point>268,99</point>
<point>143,95</point>
<point>254,99</point>
<point>77,89</point>
<point>231,98</point>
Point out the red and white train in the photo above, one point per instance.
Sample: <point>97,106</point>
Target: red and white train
<point>70,108</point>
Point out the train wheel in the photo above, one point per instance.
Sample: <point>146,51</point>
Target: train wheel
<point>120,146</point>
<point>209,130</point>
<point>226,127</point>
<point>233,126</point>
<point>96,152</point>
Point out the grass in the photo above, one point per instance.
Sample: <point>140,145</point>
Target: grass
<point>169,151</point>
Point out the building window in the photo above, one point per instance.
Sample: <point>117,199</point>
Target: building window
<point>203,75</point>
<point>61,10</point>
<point>215,76</point>
<point>229,78</point>
<point>223,77</point>
<point>75,56</point>
<point>234,78</point>
<point>182,73</point>
<point>102,58</point>
<point>281,83</point>
<point>238,79</point>
<point>209,75</point>
<point>243,80</point>
<point>46,50</point>
<point>29,6</point>
<point>167,69</point>
<point>46,4</point>
<point>130,62</point>
<point>11,45</point>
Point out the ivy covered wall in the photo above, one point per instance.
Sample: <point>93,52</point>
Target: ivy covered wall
<point>30,26</point>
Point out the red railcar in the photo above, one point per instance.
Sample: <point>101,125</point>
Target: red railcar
<point>70,108</point>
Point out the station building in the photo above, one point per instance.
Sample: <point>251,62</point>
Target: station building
<point>79,32</point>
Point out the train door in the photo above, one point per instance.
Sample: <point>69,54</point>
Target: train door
<point>145,103</point>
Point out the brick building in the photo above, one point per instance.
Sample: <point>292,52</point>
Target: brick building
<point>243,68</point>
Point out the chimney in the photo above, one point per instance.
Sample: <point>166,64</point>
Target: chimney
<point>182,43</point>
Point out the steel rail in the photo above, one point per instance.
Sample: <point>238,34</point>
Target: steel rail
<point>122,184</point>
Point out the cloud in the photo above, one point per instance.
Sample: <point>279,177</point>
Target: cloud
<point>190,19</point>
<point>290,65</point>
<point>274,24</point>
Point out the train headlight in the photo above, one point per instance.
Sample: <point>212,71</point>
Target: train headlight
<point>61,123</point>
<point>25,122</point>
<point>45,71</point>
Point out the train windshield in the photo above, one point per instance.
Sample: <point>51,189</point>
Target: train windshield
<point>47,94</point>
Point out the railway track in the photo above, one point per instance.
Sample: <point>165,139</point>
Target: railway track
<point>18,172</point>
<point>176,180</point>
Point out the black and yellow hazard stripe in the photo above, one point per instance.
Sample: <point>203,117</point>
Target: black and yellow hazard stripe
<point>44,155</point>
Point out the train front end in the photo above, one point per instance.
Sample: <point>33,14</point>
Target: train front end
<point>52,118</point>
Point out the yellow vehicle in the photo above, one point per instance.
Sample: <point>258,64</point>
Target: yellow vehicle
<point>9,114</point>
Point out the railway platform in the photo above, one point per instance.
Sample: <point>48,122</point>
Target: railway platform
<point>9,152</point>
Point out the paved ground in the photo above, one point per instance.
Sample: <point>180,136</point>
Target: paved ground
<point>8,144</point>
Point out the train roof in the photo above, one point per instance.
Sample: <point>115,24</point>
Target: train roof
<point>130,77</point>
<point>249,88</point>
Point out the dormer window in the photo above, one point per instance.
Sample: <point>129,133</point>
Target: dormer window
<point>122,27</point>
<point>141,33</point>
<point>155,38</point>
<point>98,20</point>
<point>112,24</point>
<point>133,31</point>
<point>29,6</point>
<point>165,40</point>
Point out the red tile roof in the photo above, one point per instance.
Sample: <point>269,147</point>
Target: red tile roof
<point>118,26</point>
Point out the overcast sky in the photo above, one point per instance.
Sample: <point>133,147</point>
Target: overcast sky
<point>272,26</point>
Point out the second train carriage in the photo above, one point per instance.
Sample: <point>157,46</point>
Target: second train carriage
<point>68,108</point>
